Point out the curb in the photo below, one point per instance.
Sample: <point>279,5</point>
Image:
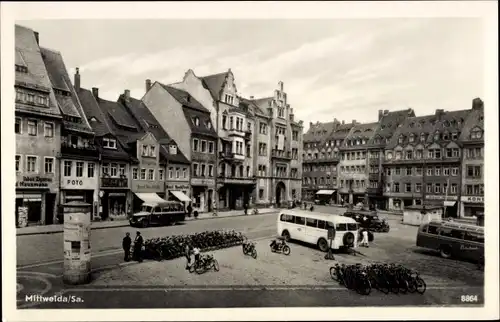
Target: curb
<point>127,224</point>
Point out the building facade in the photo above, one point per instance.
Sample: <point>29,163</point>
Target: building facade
<point>472,139</point>
<point>38,134</point>
<point>353,165</point>
<point>422,162</point>
<point>190,125</point>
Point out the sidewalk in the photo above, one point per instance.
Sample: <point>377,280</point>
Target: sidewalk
<point>53,229</point>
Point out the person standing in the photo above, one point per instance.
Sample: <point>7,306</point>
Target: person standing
<point>214,208</point>
<point>245,208</point>
<point>138,242</point>
<point>187,254</point>
<point>126,244</point>
<point>196,252</point>
<point>189,209</point>
<point>364,239</point>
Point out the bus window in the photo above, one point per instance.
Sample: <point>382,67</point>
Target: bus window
<point>290,219</point>
<point>329,224</point>
<point>311,222</point>
<point>283,217</point>
<point>473,236</point>
<point>341,227</point>
<point>299,220</point>
<point>434,230</point>
<point>286,218</point>
<point>157,210</point>
<point>452,233</point>
<point>352,227</point>
<point>321,224</point>
<point>147,208</point>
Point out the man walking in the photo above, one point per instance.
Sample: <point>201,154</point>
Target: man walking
<point>214,208</point>
<point>187,254</point>
<point>245,208</point>
<point>189,209</point>
<point>138,242</point>
<point>364,239</point>
<point>126,243</point>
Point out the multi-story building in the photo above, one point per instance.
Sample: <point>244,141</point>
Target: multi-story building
<point>176,178</point>
<point>472,140</point>
<point>422,161</point>
<point>38,134</point>
<point>115,196</point>
<point>79,157</point>
<point>286,135</point>
<point>233,124</point>
<point>353,165</point>
<point>190,125</point>
<point>388,122</point>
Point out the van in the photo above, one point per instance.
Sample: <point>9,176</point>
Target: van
<point>157,214</point>
<point>312,228</point>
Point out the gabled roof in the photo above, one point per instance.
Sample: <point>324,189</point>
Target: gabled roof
<point>69,104</point>
<point>389,124</point>
<point>318,132</point>
<point>475,119</point>
<point>149,123</point>
<point>184,98</point>
<point>93,112</point>
<point>27,54</point>
<point>214,83</point>
<point>360,131</point>
<point>340,132</point>
<point>263,104</point>
<point>204,119</point>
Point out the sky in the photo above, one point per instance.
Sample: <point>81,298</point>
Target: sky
<point>337,68</point>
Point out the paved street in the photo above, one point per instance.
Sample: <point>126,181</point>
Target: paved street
<point>300,279</point>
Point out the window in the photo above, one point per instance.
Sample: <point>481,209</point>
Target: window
<point>434,230</point>
<point>143,174</point>
<point>311,222</point>
<point>429,171</point>
<point>437,154</point>
<point>418,187</point>
<point>262,149</point>
<point>300,220</point>
<point>195,145</point>
<point>177,173</point>
<point>428,188</point>
<point>114,170</point>
<point>261,194</point>
<point>151,174</point>
<point>210,170</point>
<point>18,163</point>
<point>160,174</point>
<point>418,171</point>
<point>195,169</point>
<point>295,135</point>
<point>48,130</point>
<point>109,143</point>
<point>145,150</point>
<point>409,155</point>
<point>398,171</point>
<point>211,147</point>
<point>105,168</point>
<point>408,171</point>
<point>437,171</point>
<point>224,122</point>
<point>476,134</point>
<point>203,168</point>
<point>49,165</point>
<point>452,233</point>
<point>407,187</point>
<point>90,169</point>
<point>437,188</point>
<point>396,187</point>
<point>419,154</point>
<point>18,125</point>
<point>454,171</point>
<point>196,121</point>
<point>474,171</point>
<point>473,236</point>
<point>122,170</point>
<point>262,128</point>
<point>152,151</point>
<point>32,127</point>
<point>67,168</point>
<point>453,188</point>
<point>184,173</point>
<point>446,172</point>
<point>79,169</point>
<point>203,146</point>
<point>135,174</point>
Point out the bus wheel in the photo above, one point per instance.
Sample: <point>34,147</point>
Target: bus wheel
<point>445,251</point>
<point>323,245</point>
<point>286,234</point>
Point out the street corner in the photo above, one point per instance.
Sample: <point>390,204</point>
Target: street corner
<point>31,285</point>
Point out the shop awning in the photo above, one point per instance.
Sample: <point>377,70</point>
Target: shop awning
<point>449,203</point>
<point>180,195</point>
<point>150,198</point>
<point>325,192</point>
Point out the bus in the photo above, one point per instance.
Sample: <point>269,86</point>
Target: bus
<point>312,228</point>
<point>157,214</point>
<point>452,239</point>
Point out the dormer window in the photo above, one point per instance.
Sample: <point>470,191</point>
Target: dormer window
<point>436,136</point>
<point>229,99</point>
<point>422,137</point>
<point>196,121</point>
<point>21,69</point>
<point>400,139</point>
<point>412,138</point>
<point>172,149</point>
<point>109,143</point>
<point>209,125</point>
<point>476,134</point>
<point>93,119</point>
<point>446,136</point>
<point>145,150</point>
<point>454,136</point>
<point>152,151</point>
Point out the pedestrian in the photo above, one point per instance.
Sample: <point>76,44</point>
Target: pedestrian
<point>196,252</point>
<point>187,254</point>
<point>364,239</point>
<point>126,244</point>
<point>189,209</point>
<point>245,209</point>
<point>214,209</point>
<point>138,242</point>
<point>305,205</point>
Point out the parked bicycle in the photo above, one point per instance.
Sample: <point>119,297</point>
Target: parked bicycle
<point>204,264</point>
<point>249,249</point>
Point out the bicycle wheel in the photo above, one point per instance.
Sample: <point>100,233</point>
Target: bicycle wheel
<point>192,268</point>
<point>254,254</point>
<point>286,250</point>
<point>363,286</point>
<point>215,265</point>
<point>421,286</point>
<point>383,286</point>
<point>200,269</point>
<point>393,286</point>
<point>412,285</point>
<point>333,274</point>
<point>403,286</point>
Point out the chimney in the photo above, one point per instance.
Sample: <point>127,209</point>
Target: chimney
<point>251,97</point>
<point>310,124</point>
<point>343,122</point>
<point>386,112</point>
<point>477,104</point>
<point>439,113</point>
<point>291,114</point>
<point>280,84</point>
<point>353,121</point>
<point>95,92</point>
<point>380,114</point>
<point>148,85</point>
<point>77,79</point>
<point>126,95</point>
<point>37,38</point>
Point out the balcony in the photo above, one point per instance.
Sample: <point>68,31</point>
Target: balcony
<point>236,132</point>
<point>230,156</point>
<point>228,179</point>
<point>107,182</point>
<point>82,151</point>
<point>279,154</point>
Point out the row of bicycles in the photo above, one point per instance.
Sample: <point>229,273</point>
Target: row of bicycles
<point>387,278</point>
<point>172,247</point>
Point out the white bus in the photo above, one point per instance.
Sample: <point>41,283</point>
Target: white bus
<point>312,228</point>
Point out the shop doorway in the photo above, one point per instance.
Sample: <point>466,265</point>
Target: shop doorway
<point>50,203</point>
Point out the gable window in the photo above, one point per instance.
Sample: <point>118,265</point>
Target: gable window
<point>195,145</point>
<point>109,143</point>
<point>401,139</point>
<point>436,136</point>
<point>228,99</point>
<point>172,149</point>
<point>152,151</point>
<point>32,127</point>
<point>412,138</point>
<point>422,137</point>
<point>476,134</point>
<point>145,150</point>
<point>18,126</point>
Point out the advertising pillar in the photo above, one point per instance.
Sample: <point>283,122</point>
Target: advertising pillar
<point>77,243</point>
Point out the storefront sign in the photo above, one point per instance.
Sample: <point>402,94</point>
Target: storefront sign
<point>202,182</point>
<point>472,199</point>
<point>438,197</point>
<point>177,186</point>
<point>147,187</point>
<point>79,183</point>
<point>34,182</point>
